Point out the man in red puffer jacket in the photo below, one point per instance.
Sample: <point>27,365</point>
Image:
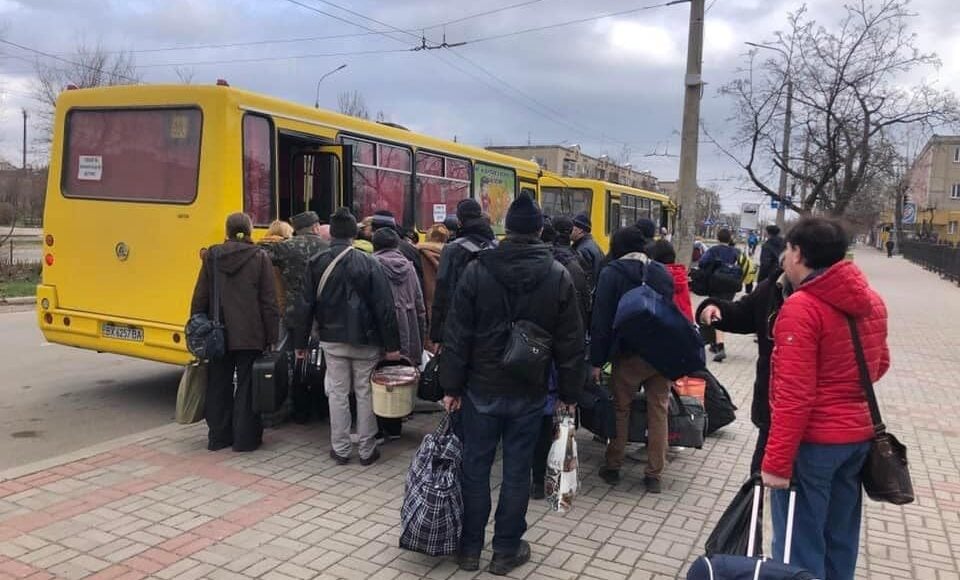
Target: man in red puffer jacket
<point>821,429</point>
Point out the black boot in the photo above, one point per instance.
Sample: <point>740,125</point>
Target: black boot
<point>503,564</point>
<point>721,354</point>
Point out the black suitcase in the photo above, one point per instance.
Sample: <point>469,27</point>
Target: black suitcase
<point>686,420</point>
<point>271,380</point>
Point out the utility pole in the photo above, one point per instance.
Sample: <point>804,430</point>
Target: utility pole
<point>690,134</point>
<point>24,166</point>
<point>782,190</point>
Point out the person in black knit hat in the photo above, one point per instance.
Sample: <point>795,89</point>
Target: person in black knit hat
<point>518,280</point>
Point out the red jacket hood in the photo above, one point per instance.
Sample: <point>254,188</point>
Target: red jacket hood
<point>679,273</point>
<point>842,286</point>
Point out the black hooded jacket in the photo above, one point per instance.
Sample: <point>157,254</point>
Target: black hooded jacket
<point>770,257</point>
<point>453,262</point>
<point>248,299</point>
<point>357,302</point>
<point>520,272</point>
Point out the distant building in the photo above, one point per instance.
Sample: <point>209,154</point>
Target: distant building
<point>934,187</point>
<point>569,161</point>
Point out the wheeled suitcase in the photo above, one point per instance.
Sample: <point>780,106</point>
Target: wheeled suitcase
<point>751,567</point>
<point>271,380</point>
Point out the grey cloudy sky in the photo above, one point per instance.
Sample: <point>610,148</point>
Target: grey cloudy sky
<point>601,83</point>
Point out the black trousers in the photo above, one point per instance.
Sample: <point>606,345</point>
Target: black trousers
<point>229,413</point>
<point>755,464</point>
<point>540,452</point>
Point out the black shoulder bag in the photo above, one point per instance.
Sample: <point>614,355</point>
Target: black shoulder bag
<point>206,338</point>
<point>529,350</point>
<point>885,475</point>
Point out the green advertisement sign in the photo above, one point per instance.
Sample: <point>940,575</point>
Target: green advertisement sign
<point>495,188</point>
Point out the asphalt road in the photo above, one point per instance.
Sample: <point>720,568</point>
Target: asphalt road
<point>55,399</point>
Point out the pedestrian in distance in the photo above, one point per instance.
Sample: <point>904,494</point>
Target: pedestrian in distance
<point>662,251</point>
<point>586,246</point>
<point>630,267</point>
<point>722,257</point>
<point>474,236</point>
<point>357,326</point>
<point>291,258</point>
<point>408,305</point>
<point>890,247</point>
<point>770,253</point>
<point>821,428</point>
<point>753,313</point>
<point>752,241</point>
<point>251,319</point>
<point>502,406</point>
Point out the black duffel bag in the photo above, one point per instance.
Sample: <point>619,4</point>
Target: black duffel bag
<point>429,388</point>
<point>686,420</point>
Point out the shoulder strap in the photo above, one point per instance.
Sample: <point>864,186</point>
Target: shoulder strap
<point>865,377</point>
<point>216,288</point>
<point>468,245</point>
<point>329,270</point>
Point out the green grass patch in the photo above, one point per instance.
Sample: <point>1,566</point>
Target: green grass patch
<point>18,288</point>
<point>19,279</point>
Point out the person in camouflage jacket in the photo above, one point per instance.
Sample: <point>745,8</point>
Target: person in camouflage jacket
<point>292,257</point>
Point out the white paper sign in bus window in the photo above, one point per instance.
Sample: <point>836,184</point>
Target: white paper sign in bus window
<point>90,168</point>
<point>439,212</point>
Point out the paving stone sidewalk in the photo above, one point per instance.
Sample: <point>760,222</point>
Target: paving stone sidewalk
<point>164,507</point>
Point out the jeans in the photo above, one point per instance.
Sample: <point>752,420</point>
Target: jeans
<point>544,442</point>
<point>349,369</point>
<point>488,421</point>
<point>629,374</point>
<point>826,528</point>
<point>229,413</point>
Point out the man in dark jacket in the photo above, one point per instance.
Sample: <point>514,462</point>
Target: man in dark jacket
<point>475,234</point>
<point>248,303</point>
<point>754,313</point>
<point>719,255</point>
<point>557,237</point>
<point>586,246</point>
<point>356,323</point>
<point>770,253</point>
<point>291,257</point>
<point>629,268</point>
<point>518,280</point>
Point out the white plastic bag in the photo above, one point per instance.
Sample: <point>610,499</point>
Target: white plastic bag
<point>562,481</point>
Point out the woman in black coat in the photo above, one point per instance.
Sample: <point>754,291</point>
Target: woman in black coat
<point>754,313</point>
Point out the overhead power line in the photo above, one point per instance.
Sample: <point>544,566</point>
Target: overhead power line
<point>271,58</point>
<point>246,43</point>
<point>341,19</point>
<point>479,14</point>
<point>64,60</point>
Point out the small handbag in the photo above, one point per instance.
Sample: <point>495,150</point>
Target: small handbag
<point>529,349</point>
<point>885,475</point>
<point>206,339</point>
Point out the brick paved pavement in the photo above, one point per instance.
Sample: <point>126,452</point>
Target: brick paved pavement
<point>161,506</point>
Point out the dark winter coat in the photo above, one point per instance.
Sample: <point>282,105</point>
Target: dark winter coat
<point>291,258</point>
<point>815,391</point>
<point>523,272</point>
<point>357,303</point>
<point>569,259</point>
<point>453,262</point>
<point>617,278</point>
<point>248,298</point>
<point>770,257</point>
<point>407,301</point>
<point>754,313</point>
<point>589,250</point>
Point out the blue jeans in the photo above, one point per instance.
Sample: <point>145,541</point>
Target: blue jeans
<point>488,421</point>
<point>826,527</point>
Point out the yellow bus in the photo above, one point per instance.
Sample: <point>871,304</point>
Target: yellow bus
<point>142,178</point>
<point>610,205</point>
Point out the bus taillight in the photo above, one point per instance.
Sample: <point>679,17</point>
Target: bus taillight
<point>49,240</point>
<point>48,259</point>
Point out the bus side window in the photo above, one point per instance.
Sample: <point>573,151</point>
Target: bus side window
<point>258,198</point>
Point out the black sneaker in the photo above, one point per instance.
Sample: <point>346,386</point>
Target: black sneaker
<point>338,459</point>
<point>537,491</point>
<point>372,459</point>
<point>652,484</point>
<point>721,354</point>
<point>611,476</point>
<point>712,348</point>
<point>468,562</point>
<point>501,565</point>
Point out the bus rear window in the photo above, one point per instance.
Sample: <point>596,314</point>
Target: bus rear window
<point>148,155</point>
<point>566,201</point>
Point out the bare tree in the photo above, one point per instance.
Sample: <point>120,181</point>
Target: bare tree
<point>352,103</point>
<point>848,101</point>
<point>184,74</point>
<point>89,66</point>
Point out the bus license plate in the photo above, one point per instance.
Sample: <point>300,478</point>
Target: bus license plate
<point>132,333</point>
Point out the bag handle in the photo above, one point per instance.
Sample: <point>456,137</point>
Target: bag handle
<point>329,270</point>
<point>865,381</point>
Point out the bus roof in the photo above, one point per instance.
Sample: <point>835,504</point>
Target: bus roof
<point>162,95</point>
<point>552,179</point>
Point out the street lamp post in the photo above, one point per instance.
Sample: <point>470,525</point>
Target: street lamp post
<point>317,103</point>
<point>787,118</point>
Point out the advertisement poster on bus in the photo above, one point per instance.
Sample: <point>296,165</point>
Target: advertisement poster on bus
<point>495,189</point>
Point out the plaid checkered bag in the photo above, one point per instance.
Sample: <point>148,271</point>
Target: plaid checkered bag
<point>432,514</point>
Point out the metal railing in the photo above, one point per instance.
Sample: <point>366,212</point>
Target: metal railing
<point>942,259</point>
